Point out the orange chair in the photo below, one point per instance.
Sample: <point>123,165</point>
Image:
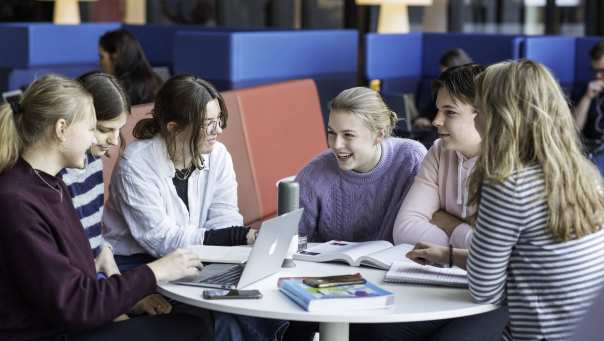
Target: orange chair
<point>234,139</point>
<point>138,112</point>
<point>273,131</point>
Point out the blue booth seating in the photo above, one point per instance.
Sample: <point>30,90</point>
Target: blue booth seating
<point>71,50</point>
<point>408,63</point>
<point>34,49</point>
<point>234,60</point>
<point>567,57</point>
<point>158,40</point>
<point>555,52</point>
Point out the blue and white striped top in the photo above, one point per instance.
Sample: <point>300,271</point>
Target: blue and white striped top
<point>87,193</point>
<point>514,260</point>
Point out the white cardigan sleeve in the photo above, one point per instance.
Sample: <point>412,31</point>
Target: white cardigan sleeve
<point>139,199</point>
<point>223,210</point>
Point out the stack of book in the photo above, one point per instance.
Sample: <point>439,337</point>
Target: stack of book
<point>335,298</point>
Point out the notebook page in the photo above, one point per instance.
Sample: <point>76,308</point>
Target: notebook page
<point>410,272</point>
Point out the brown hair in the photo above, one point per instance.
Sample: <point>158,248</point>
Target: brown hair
<point>131,66</point>
<point>182,100</point>
<point>459,82</point>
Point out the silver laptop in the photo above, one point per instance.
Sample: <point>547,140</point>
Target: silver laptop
<point>265,258</point>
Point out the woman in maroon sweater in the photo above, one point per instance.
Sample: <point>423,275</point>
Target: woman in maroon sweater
<point>48,284</point>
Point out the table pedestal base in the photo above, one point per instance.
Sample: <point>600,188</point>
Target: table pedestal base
<point>333,331</point>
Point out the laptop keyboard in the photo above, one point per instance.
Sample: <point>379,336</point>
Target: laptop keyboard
<point>227,279</point>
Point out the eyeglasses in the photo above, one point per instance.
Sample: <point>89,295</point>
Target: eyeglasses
<point>212,125</point>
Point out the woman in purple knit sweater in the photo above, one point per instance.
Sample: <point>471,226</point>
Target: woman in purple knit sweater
<point>353,191</point>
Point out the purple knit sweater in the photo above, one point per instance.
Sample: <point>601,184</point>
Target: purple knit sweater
<point>351,206</point>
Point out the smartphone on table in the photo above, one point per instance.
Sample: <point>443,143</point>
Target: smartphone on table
<point>221,294</point>
<point>334,281</point>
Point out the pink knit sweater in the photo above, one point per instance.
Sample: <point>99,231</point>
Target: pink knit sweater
<point>441,184</point>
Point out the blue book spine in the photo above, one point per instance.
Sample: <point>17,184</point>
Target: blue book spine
<point>287,290</point>
<point>303,294</point>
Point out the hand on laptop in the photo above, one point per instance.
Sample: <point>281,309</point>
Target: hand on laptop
<point>251,236</point>
<point>176,265</point>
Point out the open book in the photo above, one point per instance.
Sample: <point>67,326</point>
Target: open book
<point>378,254</point>
<point>407,271</point>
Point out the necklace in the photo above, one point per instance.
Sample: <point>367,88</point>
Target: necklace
<point>58,190</point>
<point>183,174</point>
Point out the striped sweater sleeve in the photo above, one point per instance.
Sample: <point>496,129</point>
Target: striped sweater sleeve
<point>497,231</point>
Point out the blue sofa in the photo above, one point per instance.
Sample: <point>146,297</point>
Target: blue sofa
<point>34,49</point>
<point>408,63</point>
<point>233,60</point>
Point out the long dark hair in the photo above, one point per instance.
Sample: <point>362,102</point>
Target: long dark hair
<point>182,100</point>
<point>131,66</point>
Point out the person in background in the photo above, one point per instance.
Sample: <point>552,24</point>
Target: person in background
<point>436,207</point>
<point>588,112</point>
<point>121,55</point>
<point>538,243</point>
<point>454,57</point>
<point>48,281</point>
<point>451,58</point>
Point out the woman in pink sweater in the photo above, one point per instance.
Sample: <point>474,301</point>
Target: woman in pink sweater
<point>436,206</point>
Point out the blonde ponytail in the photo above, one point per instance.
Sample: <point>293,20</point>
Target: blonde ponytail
<point>10,142</point>
<point>45,101</point>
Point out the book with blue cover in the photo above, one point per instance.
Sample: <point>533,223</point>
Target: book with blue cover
<point>335,299</point>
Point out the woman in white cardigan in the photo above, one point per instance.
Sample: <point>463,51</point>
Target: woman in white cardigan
<point>175,186</point>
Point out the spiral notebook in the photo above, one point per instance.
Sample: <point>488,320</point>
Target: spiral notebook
<point>408,271</point>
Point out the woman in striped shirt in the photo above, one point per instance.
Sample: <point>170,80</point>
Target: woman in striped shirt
<point>86,185</point>
<point>538,246</point>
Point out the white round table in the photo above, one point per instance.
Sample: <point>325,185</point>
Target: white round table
<point>412,302</point>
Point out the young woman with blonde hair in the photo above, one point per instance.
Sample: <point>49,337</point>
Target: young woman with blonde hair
<point>48,284</point>
<point>353,190</point>
<point>538,245</point>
